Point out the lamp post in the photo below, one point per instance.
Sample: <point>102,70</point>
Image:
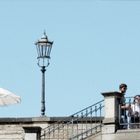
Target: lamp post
<point>43,47</point>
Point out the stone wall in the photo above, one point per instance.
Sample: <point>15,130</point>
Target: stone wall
<point>22,128</point>
<point>11,132</point>
<point>32,128</point>
<point>131,134</point>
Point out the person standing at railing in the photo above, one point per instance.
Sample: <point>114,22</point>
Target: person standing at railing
<point>124,108</point>
<point>135,112</point>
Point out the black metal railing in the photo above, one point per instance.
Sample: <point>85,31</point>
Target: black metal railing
<point>94,130</point>
<point>129,118</point>
<point>84,123</point>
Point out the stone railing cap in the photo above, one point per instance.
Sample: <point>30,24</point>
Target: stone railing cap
<point>112,93</point>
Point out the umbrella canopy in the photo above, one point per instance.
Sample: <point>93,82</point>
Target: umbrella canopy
<point>7,97</point>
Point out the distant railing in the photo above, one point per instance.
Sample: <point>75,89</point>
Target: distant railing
<point>130,118</point>
<point>84,123</point>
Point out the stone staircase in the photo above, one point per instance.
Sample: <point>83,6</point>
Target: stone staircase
<point>79,126</point>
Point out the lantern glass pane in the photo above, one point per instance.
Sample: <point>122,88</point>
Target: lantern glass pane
<point>39,50</point>
<point>45,51</point>
<point>49,51</point>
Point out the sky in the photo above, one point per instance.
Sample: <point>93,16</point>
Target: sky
<point>96,48</point>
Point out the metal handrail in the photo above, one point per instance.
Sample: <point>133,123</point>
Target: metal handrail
<point>126,119</point>
<point>88,133</point>
<point>86,113</point>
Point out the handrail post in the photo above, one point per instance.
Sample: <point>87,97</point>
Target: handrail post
<point>111,118</point>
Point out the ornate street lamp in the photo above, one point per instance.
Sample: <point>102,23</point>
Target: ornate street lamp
<point>43,47</point>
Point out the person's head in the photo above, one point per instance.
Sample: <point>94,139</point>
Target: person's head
<point>123,88</point>
<point>137,99</point>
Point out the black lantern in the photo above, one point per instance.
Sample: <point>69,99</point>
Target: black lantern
<point>44,47</point>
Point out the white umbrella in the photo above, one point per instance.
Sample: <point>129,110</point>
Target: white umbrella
<point>7,97</point>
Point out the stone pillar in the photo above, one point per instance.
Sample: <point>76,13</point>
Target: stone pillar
<point>111,117</point>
